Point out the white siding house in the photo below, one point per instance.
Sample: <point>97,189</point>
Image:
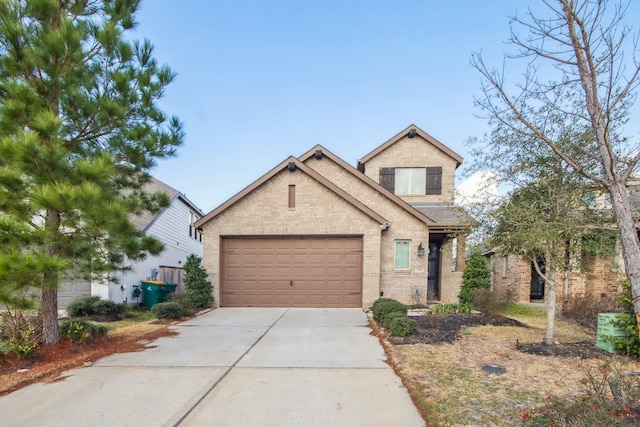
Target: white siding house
<point>173,226</point>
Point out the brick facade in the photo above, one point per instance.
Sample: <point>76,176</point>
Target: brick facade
<point>416,152</point>
<point>335,199</point>
<point>513,274</point>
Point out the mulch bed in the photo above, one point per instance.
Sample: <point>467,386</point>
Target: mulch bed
<point>446,329</point>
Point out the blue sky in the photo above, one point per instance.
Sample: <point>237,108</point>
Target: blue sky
<point>261,80</point>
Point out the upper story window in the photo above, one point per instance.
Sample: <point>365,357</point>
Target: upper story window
<point>193,232</point>
<point>412,181</point>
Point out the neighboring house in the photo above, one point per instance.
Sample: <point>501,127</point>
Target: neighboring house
<point>317,232</point>
<point>516,276</point>
<point>173,226</point>
<point>600,278</point>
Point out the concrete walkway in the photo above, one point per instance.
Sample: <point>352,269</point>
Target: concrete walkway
<point>232,367</point>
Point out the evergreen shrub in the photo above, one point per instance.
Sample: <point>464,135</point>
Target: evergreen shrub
<point>381,309</point>
<point>79,331</point>
<point>168,310</point>
<point>476,275</point>
<point>198,288</point>
<point>402,326</point>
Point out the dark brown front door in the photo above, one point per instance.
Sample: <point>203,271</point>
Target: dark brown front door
<point>291,272</point>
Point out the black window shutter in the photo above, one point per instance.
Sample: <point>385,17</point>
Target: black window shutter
<point>388,178</point>
<point>434,180</point>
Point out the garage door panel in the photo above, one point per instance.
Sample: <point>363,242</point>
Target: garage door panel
<point>326,272</point>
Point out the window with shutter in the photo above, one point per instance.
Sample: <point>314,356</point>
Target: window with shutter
<point>434,180</point>
<point>388,178</point>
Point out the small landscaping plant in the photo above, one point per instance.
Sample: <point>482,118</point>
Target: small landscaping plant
<point>82,306</point>
<point>4,349</point>
<point>80,331</point>
<point>384,306</point>
<point>24,344</point>
<point>93,305</point>
<point>631,345</point>
<point>450,308</point>
<point>168,310</point>
<point>197,287</point>
<point>401,326</point>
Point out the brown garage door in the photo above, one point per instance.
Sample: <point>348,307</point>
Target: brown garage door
<point>291,272</point>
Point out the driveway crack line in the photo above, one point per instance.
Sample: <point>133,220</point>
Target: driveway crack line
<point>214,385</point>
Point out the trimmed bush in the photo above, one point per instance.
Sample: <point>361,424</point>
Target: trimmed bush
<point>379,301</point>
<point>109,307</point>
<point>382,308</point>
<point>168,310</point>
<point>391,316</point>
<point>93,305</point>
<point>79,331</point>
<point>82,306</point>
<point>402,326</point>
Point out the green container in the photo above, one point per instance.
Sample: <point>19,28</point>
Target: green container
<point>153,292</point>
<point>608,330</point>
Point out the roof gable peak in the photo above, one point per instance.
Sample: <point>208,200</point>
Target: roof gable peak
<point>411,131</point>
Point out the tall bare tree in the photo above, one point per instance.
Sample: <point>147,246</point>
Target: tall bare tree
<point>581,77</point>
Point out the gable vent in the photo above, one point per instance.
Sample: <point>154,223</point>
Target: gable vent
<point>318,154</point>
<point>291,166</point>
<point>412,133</point>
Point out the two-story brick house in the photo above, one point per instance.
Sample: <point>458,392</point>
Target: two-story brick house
<point>317,232</point>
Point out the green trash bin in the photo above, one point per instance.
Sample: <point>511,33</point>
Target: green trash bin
<point>152,292</point>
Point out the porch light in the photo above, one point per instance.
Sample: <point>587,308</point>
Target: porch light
<point>420,249</point>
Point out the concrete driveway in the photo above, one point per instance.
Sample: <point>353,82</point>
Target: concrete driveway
<point>232,367</point>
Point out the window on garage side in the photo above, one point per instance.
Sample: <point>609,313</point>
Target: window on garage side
<point>402,254</point>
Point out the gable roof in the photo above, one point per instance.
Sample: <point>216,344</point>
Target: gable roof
<point>368,181</point>
<point>144,220</point>
<point>305,169</point>
<point>412,128</point>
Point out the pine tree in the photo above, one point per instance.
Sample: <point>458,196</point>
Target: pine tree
<point>476,275</point>
<point>80,130</point>
<point>198,288</point>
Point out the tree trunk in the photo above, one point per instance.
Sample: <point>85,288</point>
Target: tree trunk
<point>49,309</point>
<point>49,297</point>
<point>551,303</point>
<point>628,240</point>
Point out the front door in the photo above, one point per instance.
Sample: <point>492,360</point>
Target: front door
<point>433,278</point>
<point>537,282</point>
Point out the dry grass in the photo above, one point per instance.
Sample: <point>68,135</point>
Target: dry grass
<point>450,387</point>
